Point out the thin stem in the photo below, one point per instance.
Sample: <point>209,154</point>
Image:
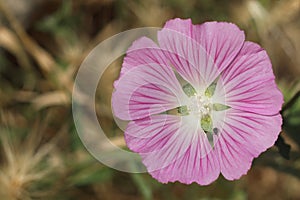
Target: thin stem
<point>291,102</point>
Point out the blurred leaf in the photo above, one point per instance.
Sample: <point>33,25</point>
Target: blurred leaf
<point>284,148</point>
<point>142,185</point>
<point>291,118</point>
<point>62,23</point>
<point>239,195</point>
<point>90,175</point>
<point>87,171</point>
<point>270,158</point>
<point>76,143</point>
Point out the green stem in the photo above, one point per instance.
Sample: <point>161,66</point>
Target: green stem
<point>291,102</point>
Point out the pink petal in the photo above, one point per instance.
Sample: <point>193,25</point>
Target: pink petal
<point>243,137</point>
<point>146,85</point>
<point>200,52</point>
<point>249,82</point>
<point>152,133</point>
<point>142,51</point>
<point>174,149</point>
<point>191,167</point>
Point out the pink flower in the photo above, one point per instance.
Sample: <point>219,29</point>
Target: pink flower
<point>200,103</point>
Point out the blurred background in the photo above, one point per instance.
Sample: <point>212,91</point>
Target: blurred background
<point>42,44</point>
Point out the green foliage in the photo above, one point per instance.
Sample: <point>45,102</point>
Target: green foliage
<point>89,173</point>
<point>63,23</point>
<point>142,185</point>
<point>292,119</point>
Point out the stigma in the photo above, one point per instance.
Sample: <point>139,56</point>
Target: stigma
<point>200,105</point>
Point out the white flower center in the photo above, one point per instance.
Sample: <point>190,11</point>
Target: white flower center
<point>200,105</point>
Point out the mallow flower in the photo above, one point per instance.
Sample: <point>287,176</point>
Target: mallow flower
<point>200,101</point>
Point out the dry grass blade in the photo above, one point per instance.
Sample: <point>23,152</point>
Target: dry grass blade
<point>271,24</point>
<point>10,42</point>
<point>290,9</point>
<point>51,99</point>
<point>24,166</point>
<point>159,14</point>
<point>43,58</point>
